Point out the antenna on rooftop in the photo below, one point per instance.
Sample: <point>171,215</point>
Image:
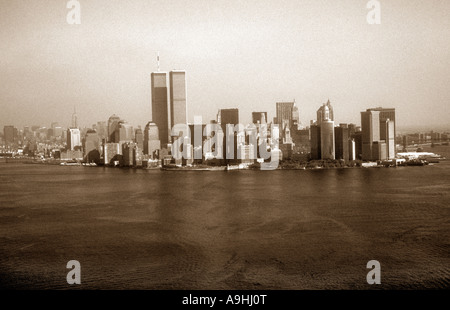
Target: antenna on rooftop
<point>157,58</point>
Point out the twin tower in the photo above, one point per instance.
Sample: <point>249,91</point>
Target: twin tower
<point>168,102</point>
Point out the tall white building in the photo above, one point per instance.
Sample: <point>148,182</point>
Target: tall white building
<point>73,138</point>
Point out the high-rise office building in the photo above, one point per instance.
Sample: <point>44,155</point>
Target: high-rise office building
<point>259,117</point>
<point>92,146</point>
<point>390,139</point>
<point>284,114</point>
<point>178,106</point>
<point>124,132</point>
<point>370,122</point>
<point>296,118</point>
<point>113,124</point>
<point>152,144</point>
<point>228,117</point>
<point>102,130</point>
<point>160,106</point>
<point>378,134</point>
<point>341,142</point>
<point>325,120</point>
<point>9,134</point>
<point>139,138</point>
<point>73,138</point>
<point>327,139</point>
<point>385,114</point>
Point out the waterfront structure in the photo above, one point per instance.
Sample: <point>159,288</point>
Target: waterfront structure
<point>160,109</point>
<point>73,138</point>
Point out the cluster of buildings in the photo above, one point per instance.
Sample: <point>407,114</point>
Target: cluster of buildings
<point>169,139</point>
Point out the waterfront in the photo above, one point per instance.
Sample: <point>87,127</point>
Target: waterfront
<point>152,229</point>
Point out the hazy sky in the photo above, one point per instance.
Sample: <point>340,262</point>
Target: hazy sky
<point>243,54</point>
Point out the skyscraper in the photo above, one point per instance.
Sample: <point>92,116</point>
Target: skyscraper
<point>370,123</point>
<point>284,114</point>
<point>224,118</point>
<point>259,117</point>
<point>325,119</point>
<point>152,144</point>
<point>8,132</point>
<point>342,142</point>
<point>378,134</point>
<point>113,124</point>
<point>92,146</point>
<point>73,138</point>
<point>160,112</point>
<point>327,139</point>
<point>178,106</point>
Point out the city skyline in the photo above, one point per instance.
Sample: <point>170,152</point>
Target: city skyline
<point>246,55</point>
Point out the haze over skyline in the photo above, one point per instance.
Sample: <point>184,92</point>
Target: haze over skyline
<point>237,54</point>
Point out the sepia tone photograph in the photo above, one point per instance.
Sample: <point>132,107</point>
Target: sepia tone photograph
<point>251,145</point>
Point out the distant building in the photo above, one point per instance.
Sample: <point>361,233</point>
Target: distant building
<point>124,133</point>
<point>178,105</point>
<point>378,131</point>
<point>73,138</point>
<point>259,117</point>
<point>160,103</point>
<point>9,134</point>
<point>92,147</point>
<point>325,119</point>
<point>316,151</point>
<point>228,117</point>
<point>111,152</point>
<point>284,114</point>
<point>139,138</point>
<point>102,130</point>
<point>197,144</point>
<point>325,112</point>
<point>246,153</point>
<point>341,142</point>
<point>129,153</point>
<point>327,139</point>
<point>113,124</point>
<point>152,144</point>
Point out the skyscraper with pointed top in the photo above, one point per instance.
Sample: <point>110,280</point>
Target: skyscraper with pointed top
<point>74,118</point>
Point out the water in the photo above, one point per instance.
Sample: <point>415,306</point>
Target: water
<point>151,229</point>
